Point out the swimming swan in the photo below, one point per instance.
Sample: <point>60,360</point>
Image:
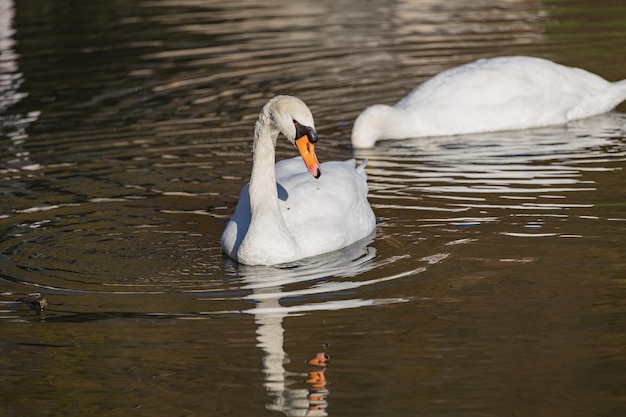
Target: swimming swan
<point>289,210</point>
<point>503,93</point>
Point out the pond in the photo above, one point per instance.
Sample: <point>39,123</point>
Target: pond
<point>493,286</point>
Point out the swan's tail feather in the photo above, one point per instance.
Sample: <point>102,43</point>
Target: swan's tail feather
<point>607,101</point>
<point>619,91</point>
<point>361,167</point>
<point>621,86</point>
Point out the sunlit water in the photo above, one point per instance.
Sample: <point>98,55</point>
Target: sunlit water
<point>494,285</point>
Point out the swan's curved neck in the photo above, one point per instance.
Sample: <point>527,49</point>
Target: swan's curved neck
<point>266,218</point>
<point>384,122</point>
<point>263,192</point>
<point>400,125</point>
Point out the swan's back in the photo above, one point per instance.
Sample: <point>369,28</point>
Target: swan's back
<point>496,81</point>
<point>330,211</point>
<point>508,93</point>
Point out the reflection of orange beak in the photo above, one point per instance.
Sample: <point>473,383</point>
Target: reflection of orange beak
<point>320,359</point>
<point>317,379</point>
<point>307,151</point>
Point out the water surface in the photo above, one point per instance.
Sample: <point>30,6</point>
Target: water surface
<point>492,287</point>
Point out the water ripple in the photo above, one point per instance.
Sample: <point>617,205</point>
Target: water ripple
<point>119,184</point>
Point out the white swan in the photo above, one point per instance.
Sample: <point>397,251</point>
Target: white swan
<point>286,213</point>
<point>503,93</point>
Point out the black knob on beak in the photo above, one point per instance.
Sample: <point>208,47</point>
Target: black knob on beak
<point>307,131</point>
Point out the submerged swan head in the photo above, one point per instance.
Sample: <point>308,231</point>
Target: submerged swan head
<point>371,125</point>
<point>291,117</point>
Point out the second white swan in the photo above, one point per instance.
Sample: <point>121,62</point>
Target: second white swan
<point>503,93</point>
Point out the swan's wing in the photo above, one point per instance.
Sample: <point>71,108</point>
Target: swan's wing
<point>327,213</point>
<point>361,168</point>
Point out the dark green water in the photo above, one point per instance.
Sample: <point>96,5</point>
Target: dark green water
<point>494,285</point>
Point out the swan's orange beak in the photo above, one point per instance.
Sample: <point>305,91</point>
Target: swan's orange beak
<point>307,151</point>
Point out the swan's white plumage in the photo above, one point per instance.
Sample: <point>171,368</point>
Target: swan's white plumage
<point>503,93</point>
<point>286,214</point>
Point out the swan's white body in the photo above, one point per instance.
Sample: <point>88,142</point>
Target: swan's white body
<point>285,213</point>
<point>487,95</point>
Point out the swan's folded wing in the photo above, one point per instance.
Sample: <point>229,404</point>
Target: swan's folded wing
<point>330,212</point>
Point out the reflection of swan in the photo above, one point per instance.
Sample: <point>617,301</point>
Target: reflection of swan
<point>580,139</point>
<point>314,284</point>
<point>14,158</point>
<point>319,283</point>
<point>268,287</point>
<point>10,77</point>
<point>503,93</point>
<point>303,216</point>
<point>270,338</point>
<point>514,170</point>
